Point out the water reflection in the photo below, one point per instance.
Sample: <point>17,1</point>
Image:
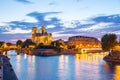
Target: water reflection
<point>18,63</point>
<point>64,67</point>
<point>87,65</point>
<point>117,73</point>
<point>25,56</point>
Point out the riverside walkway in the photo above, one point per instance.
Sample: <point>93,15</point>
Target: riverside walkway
<point>6,72</point>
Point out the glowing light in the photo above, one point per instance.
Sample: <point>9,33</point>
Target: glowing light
<point>117,73</point>
<point>25,56</point>
<point>33,59</point>
<point>18,63</point>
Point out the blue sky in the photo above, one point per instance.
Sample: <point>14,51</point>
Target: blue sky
<point>62,18</point>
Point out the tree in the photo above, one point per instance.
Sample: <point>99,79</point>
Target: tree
<point>57,44</point>
<point>28,42</point>
<point>9,44</point>
<point>108,41</point>
<point>1,43</point>
<point>19,43</point>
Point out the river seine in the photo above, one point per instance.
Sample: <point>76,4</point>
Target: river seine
<point>63,67</point>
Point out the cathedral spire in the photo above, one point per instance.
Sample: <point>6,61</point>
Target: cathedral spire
<point>42,23</point>
<point>42,29</point>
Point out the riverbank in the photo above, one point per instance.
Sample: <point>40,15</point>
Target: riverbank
<point>47,52</point>
<point>44,52</point>
<point>7,70</point>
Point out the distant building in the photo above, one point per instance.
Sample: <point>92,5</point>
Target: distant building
<point>83,42</point>
<point>41,37</point>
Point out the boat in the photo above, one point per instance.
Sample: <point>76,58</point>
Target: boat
<point>113,56</point>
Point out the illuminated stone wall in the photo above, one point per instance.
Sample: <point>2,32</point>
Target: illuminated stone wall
<point>84,42</point>
<point>34,31</point>
<point>45,39</point>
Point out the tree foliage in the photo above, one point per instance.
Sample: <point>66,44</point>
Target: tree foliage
<point>56,44</point>
<point>19,43</point>
<point>27,42</point>
<point>108,41</point>
<point>1,43</point>
<point>9,44</point>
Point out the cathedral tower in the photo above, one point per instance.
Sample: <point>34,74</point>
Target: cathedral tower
<point>34,31</point>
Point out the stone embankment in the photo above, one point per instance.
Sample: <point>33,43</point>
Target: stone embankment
<point>6,69</point>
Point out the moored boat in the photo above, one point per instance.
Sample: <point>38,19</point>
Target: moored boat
<point>113,56</point>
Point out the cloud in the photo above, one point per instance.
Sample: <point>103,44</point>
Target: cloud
<point>53,21</point>
<point>71,24</point>
<point>21,24</point>
<point>110,18</point>
<point>5,27</point>
<point>87,22</point>
<point>116,32</point>
<point>29,19</point>
<point>24,1</point>
<point>60,34</point>
<point>111,22</point>
<point>52,3</point>
<point>100,23</point>
<point>11,37</point>
<point>17,31</point>
<point>2,24</point>
<point>41,16</point>
<point>50,26</point>
<point>95,27</point>
<point>47,19</point>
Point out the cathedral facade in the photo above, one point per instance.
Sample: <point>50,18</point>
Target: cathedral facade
<point>41,37</point>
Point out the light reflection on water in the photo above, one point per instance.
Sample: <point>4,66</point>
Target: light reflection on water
<point>117,73</point>
<point>63,67</point>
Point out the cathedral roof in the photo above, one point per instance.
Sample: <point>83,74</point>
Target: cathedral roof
<point>39,34</point>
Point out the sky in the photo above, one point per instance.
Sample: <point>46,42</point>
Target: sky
<point>62,18</point>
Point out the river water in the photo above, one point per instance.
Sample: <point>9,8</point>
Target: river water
<point>63,67</point>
